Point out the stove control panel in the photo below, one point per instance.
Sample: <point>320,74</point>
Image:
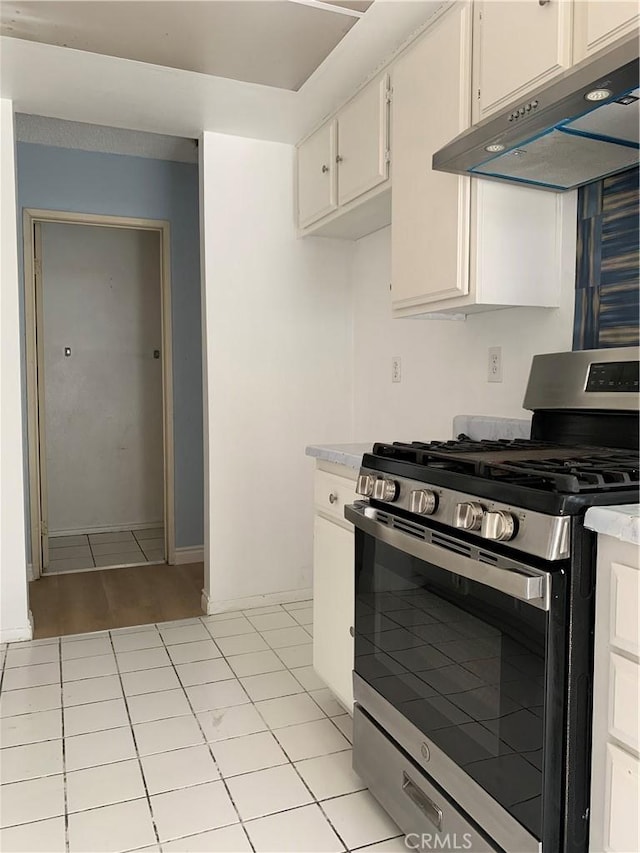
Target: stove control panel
<point>498,525</point>
<point>468,515</point>
<point>613,376</point>
<point>532,532</point>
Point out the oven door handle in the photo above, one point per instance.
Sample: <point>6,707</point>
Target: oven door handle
<point>518,581</point>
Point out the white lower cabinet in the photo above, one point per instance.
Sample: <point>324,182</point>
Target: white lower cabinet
<point>616,716</point>
<point>333,585</point>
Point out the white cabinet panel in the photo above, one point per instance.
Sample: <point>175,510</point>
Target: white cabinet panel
<point>363,141</point>
<point>430,210</point>
<point>625,607</point>
<point>333,607</point>
<point>622,794</point>
<point>518,45</point>
<point>598,23</point>
<point>317,175</point>
<point>614,768</point>
<point>624,690</point>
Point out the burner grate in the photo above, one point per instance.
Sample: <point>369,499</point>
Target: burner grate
<point>532,464</point>
<point>568,475</point>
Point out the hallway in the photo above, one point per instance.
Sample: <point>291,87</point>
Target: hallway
<point>81,602</point>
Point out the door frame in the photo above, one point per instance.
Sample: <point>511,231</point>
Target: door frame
<point>35,397</point>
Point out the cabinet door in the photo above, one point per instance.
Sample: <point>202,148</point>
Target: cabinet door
<point>518,45</point>
<point>600,22</point>
<point>333,604</point>
<point>430,210</point>
<point>622,834</point>
<point>317,175</point>
<point>363,141</point>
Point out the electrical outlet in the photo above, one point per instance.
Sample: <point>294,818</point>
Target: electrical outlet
<point>494,366</point>
<point>396,369</point>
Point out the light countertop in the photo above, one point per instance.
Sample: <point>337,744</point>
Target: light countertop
<point>621,522</point>
<point>340,454</point>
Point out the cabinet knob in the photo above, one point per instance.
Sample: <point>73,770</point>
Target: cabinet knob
<point>543,2</point>
<point>351,631</point>
<point>338,159</point>
<point>325,168</point>
<point>333,498</point>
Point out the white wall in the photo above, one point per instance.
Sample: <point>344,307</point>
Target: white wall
<point>277,317</point>
<point>103,404</point>
<point>14,619</point>
<point>444,362</point>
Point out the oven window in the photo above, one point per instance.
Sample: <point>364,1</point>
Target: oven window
<point>463,662</point>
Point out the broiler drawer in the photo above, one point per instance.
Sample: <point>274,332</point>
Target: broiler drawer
<point>428,819</point>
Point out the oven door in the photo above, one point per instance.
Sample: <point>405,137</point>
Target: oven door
<point>460,650</point>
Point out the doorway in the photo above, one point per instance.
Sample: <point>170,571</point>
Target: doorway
<point>100,415</point>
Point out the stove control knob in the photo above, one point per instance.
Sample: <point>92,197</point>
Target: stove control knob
<point>423,502</point>
<point>385,490</point>
<point>468,516</point>
<point>498,525</point>
<point>365,485</point>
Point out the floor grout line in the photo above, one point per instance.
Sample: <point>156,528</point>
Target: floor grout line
<point>202,732</point>
<point>135,745</point>
<point>64,754</point>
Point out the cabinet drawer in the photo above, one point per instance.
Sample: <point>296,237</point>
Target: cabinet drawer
<point>625,612</point>
<point>333,493</point>
<point>621,824</point>
<point>624,689</point>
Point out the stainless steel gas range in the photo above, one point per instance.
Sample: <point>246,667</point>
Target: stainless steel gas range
<point>474,615</point>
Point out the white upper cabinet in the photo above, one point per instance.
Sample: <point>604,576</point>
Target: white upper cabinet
<point>598,23</point>
<point>518,45</point>
<point>343,168</point>
<point>363,155</point>
<point>317,188</point>
<point>462,245</point>
<point>430,210</point>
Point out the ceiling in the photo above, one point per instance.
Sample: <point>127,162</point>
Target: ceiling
<point>82,86</point>
<point>277,43</point>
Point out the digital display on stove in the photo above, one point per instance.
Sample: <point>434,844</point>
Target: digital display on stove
<point>613,376</point>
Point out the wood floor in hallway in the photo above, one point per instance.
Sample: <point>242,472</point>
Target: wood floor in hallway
<point>114,598</point>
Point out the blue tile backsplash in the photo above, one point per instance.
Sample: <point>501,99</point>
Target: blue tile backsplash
<point>607,272</point>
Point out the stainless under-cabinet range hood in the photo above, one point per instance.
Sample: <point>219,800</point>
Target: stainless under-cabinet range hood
<point>581,127</point>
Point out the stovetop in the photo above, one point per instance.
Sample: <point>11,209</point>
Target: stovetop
<point>541,475</point>
<point>534,464</point>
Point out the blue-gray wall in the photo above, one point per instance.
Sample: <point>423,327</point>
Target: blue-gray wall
<point>89,182</point>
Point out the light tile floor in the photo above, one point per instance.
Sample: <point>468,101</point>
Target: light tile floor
<point>207,734</point>
<point>104,550</point>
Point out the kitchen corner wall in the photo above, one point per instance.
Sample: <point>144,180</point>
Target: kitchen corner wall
<point>444,362</point>
<point>14,618</point>
<point>277,330</point>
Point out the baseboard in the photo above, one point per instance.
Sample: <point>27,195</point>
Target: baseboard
<point>15,635</point>
<point>192,554</point>
<point>211,607</point>
<point>107,528</point>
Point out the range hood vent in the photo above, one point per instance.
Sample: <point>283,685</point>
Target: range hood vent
<point>581,127</point>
